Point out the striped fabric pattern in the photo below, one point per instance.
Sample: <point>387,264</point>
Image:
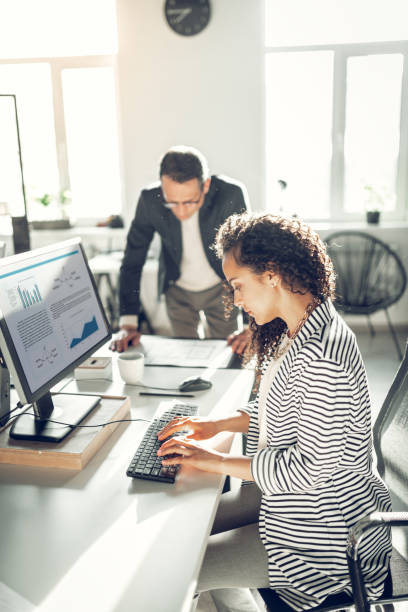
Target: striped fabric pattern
<point>316,471</point>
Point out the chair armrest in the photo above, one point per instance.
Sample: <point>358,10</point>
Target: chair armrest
<point>356,534</point>
<point>376,519</point>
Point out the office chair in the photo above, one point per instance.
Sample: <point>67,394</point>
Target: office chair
<point>370,276</point>
<point>390,435</point>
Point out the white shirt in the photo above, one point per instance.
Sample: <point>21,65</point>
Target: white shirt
<point>196,274</point>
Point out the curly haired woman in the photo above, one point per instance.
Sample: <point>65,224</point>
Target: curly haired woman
<point>308,469</point>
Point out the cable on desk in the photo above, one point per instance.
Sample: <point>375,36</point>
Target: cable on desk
<point>10,417</point>
<point>76,426</point>
<point>19,405</point>
<point>158,388</point>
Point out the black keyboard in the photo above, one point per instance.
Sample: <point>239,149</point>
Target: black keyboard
<point>146,464</point>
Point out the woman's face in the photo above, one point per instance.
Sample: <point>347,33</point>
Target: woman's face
<point>254,293</point>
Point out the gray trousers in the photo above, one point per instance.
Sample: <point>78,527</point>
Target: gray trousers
<point>235,560</point>
<point>183,309</point>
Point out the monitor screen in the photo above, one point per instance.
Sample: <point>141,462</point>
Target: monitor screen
<point>51,320</point>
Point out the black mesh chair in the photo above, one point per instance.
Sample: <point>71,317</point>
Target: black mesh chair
<point>370,276</point>
<point>390,434</point>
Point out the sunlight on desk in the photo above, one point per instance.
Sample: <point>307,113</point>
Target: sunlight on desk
<point>97,540</point>
<point>100,575</point>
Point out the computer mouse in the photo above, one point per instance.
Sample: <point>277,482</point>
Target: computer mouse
<point>195,383</point>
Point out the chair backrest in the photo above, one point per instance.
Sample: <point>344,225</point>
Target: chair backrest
<point>390,434</point>
<point>370,275</point>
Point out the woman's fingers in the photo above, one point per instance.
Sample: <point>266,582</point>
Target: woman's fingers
<point>169,445</point>
<point>185,453</point>
<point>177,424</point>
<point>176,452</point>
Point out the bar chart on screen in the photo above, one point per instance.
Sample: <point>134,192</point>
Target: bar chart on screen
<point>29,292</point>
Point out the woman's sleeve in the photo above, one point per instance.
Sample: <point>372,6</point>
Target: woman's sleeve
<point>249,407</point>
<point>253,429</point>
<point>326,401</point>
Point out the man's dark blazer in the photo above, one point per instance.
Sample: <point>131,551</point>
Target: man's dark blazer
<point>224,198</point>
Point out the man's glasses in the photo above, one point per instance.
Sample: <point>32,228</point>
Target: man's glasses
<point>187,204</point>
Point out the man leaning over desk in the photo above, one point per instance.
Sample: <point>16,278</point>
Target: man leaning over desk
<point>185,209</point>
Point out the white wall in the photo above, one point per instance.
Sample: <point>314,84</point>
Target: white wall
<point>205,90</point>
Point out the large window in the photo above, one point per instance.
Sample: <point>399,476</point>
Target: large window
<point>299,119</point>
<point>59,62</point>
<point>336,110</point>
<point>372,130</point>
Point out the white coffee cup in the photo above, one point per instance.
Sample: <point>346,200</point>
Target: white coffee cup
<point>131,367</point>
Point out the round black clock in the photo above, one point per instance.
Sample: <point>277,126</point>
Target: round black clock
<point>187,17</point>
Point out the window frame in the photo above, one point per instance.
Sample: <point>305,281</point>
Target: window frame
<point>57,65</point>
<point>341,53</point>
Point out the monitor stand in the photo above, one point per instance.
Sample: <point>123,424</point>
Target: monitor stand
<point>65,408</point>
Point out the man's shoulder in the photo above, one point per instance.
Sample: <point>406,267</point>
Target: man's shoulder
<point>224,182</point>
<point>152,190</point>
<point>224,189</point>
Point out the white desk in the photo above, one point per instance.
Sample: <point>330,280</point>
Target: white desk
<point>96,540</point>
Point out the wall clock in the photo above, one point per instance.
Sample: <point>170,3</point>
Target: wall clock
<point>187,17</point>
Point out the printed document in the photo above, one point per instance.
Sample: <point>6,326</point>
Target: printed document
<point>186,353</point>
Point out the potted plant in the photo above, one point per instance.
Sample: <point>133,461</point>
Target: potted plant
<point>374,203</point>
<point>56,215</point>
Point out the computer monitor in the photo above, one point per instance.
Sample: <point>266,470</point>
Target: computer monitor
<point>51,320</point>
<point>21,234</point>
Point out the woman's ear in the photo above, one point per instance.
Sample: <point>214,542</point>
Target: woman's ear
<point>272,279</point>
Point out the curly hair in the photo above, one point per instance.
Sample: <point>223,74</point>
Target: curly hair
<point>284,246</point>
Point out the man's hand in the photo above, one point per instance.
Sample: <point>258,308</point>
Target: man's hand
<point>239,341</point>
<point>127,336</point>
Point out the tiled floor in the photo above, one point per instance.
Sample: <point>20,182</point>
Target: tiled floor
<point>381,362</point>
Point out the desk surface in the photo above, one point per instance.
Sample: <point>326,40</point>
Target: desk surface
<point>97,540</point>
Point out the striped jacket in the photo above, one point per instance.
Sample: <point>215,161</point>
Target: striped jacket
<point>316,470</point>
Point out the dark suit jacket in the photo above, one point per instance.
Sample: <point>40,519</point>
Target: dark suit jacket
<point>223,199</point>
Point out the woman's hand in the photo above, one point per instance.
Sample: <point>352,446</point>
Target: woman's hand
<point>200,428</point>
<point>189,452</point>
